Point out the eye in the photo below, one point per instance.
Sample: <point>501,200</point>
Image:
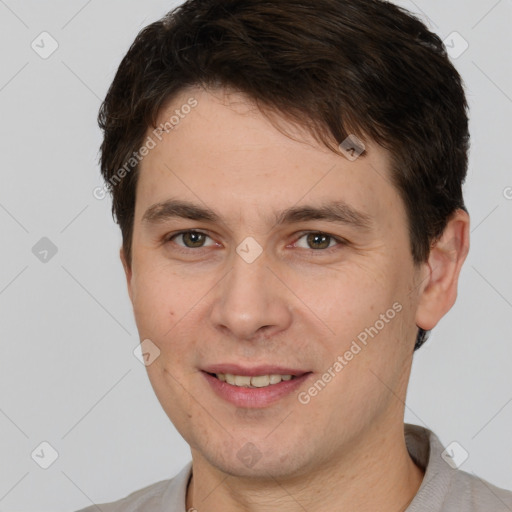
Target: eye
<point>190,239</point>
<point>316,241</point>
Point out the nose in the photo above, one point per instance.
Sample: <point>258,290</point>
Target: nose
<point>251,302</point>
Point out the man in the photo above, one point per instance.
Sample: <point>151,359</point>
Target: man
<point>287,178</point>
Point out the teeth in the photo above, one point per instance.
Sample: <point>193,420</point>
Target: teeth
<point>258,381</point>
<point>275,379</point>
<point>242,381</point>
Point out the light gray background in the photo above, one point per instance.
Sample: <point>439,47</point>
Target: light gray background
<point>68,375</point>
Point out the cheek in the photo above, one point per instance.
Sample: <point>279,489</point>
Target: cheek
<point>370,315</point>
<point>167,311</point>
<point>158,298</point>
<point>348,301</point>
<point>152,311</point>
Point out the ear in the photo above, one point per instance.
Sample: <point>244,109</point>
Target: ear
<point>447,255</point>
<point>127,272</point>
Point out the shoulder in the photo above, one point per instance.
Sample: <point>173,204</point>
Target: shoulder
<point>478,494</point>
<point>445,487</point>
<point>138,500</point>
<point>164,495</point>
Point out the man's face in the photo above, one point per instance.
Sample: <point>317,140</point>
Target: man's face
<point>256,292</point>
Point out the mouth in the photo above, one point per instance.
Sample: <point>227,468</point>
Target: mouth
<point>255,381</point>
<point>254,387</point>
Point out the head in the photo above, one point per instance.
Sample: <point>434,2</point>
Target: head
<point>318,151</point>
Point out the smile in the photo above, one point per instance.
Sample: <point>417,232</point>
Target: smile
<point>254,391</point>
<point>256,381</point>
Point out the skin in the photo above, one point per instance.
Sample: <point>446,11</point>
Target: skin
<point>298,305</point>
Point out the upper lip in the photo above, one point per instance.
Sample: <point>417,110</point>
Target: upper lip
<point>236,369</point>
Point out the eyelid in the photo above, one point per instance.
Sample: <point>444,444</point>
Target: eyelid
<point>340,241</point>
<point>169,237</point>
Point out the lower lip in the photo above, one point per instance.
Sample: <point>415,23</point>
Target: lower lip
<point>254,397</point>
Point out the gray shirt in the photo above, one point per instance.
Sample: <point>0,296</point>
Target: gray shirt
<point>444,488</point>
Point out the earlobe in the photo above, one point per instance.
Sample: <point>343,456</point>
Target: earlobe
<point>445,261</point>
<point>127,272</point>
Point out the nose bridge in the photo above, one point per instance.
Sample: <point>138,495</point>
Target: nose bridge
<point>249,298</point>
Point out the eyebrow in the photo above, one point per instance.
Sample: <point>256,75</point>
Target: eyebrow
<point>332,211</point>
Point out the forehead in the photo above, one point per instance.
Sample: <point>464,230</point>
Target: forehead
<point>224,153</point>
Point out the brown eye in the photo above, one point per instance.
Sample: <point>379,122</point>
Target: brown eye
<point>190,239</point>
<point>318,240</point>
<point>193,239</point>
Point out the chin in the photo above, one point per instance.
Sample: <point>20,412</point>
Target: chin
<point>263,462</point>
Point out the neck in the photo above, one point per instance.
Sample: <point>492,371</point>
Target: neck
<point>375,474</point>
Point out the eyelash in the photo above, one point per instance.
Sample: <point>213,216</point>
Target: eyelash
<point>340,241</point>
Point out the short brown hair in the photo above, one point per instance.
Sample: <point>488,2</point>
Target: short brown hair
<point>336,67</point>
